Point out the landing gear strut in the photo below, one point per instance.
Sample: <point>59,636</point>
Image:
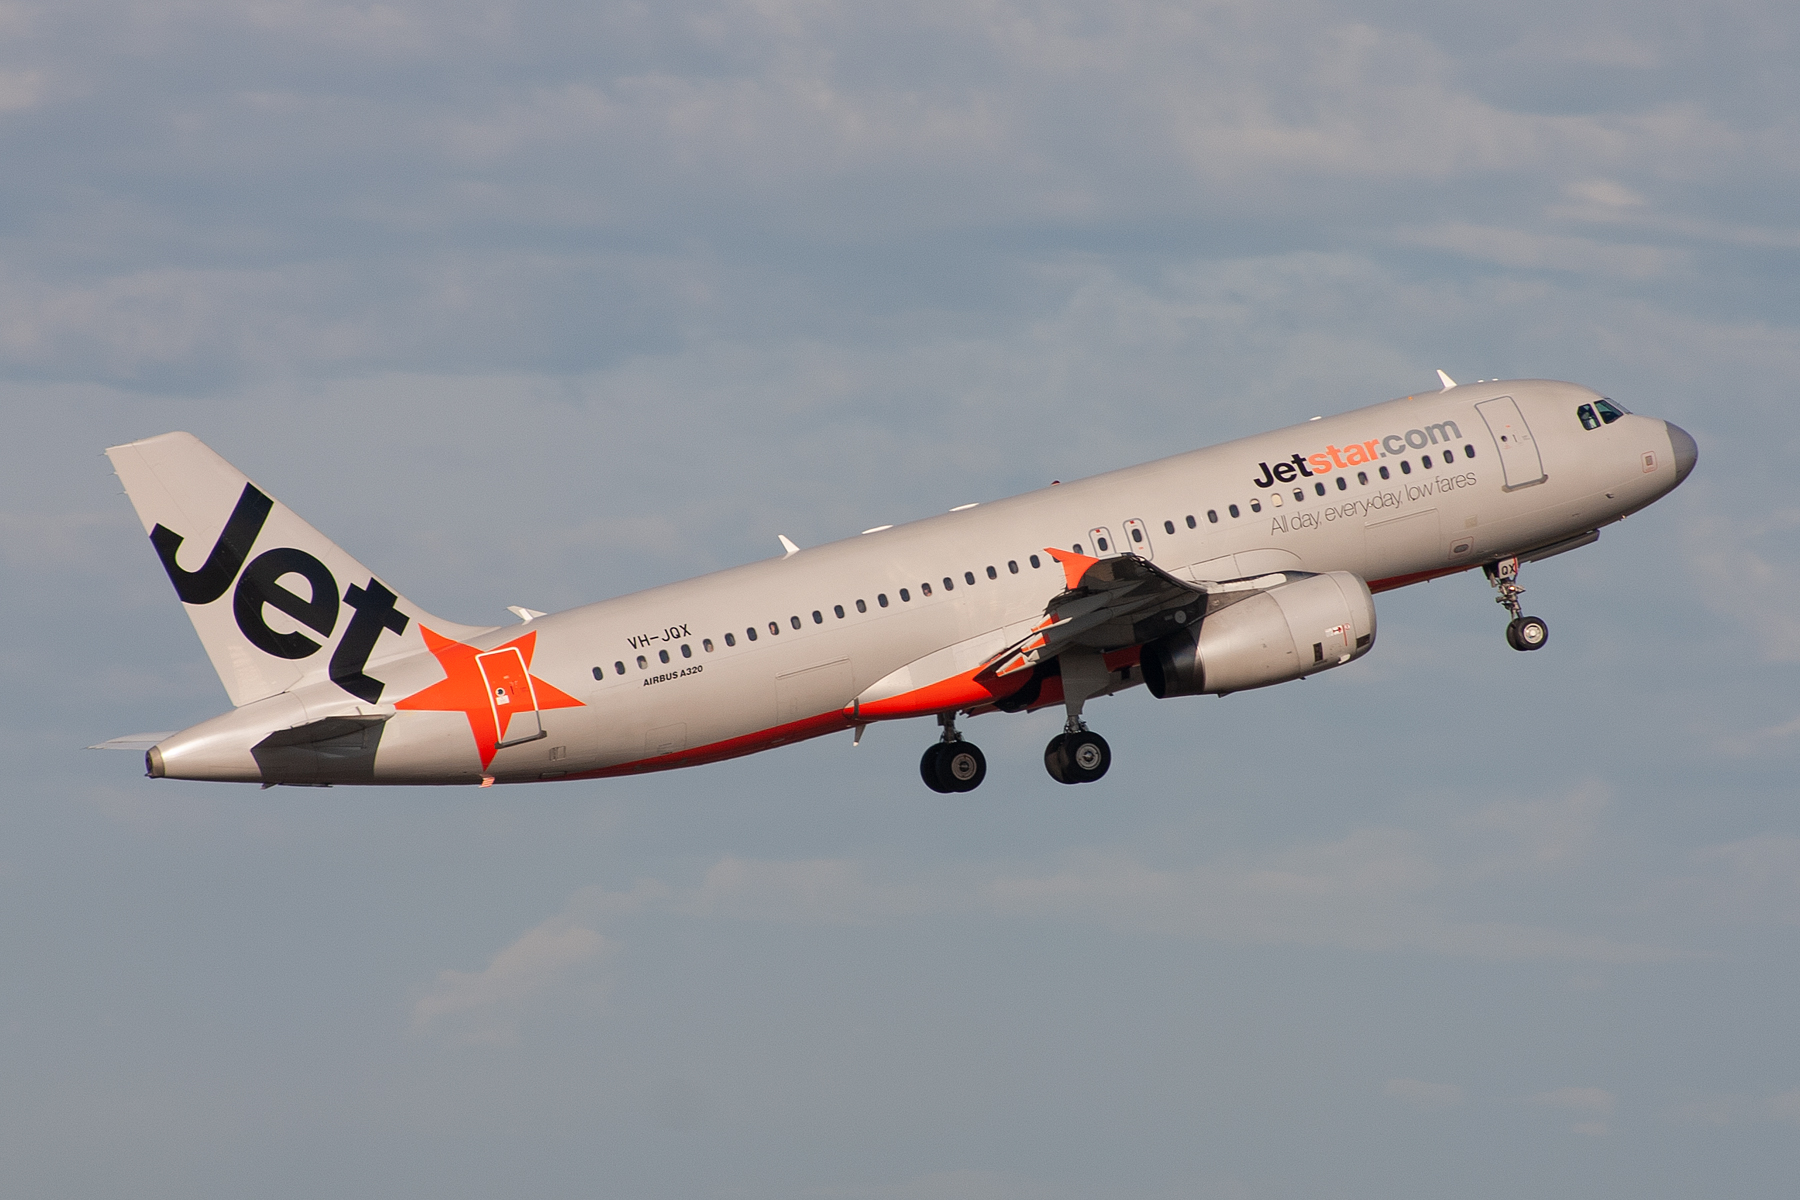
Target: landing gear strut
<point>1077,754</point>
<point>1523,632</point>
<point>951,764</point>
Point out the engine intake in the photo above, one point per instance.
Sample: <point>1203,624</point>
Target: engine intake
<point>1290,631</point>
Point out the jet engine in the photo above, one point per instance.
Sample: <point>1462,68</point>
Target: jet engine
<point>1294,629</point>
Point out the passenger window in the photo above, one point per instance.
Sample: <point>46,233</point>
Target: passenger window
<point>1168,527</point>
<point>662,656</point>
<point>1608,412</point>
<point>819,617</point>
<point>1384,472</point>
<point>1343,484</point>
<point>1468,452</point>
<point>1103,545</point>
<point>862,606</point>
<point>1232,509</point>
<point>643,663</point>
<point>795,621</point>
<point>924,590</point>
<point>838,610</point>
<point>1425,461</point>
<point>1405,467</point>
<point>1320,488</point>
<point>1012,566</point>
<point>1256,505</point>
<point>774,629</point>
<point>707,642</point>
<point>1034,562</point>
<point>1299,493</point>
<point>1362,477</point>
<point>881,597</point>
<point>992,574</point>
<point>1449,455</point>
<point>1274,501</point>
<point>969,578</point>
<point>1191,522</point>
<point>1212,515</point>
<point>905,597</point>
<point>750,633</point>
<point>1077,547</point>
<point>619,667</point>
<point>687,651</point>
<point>731,639</point>
<point>949,584</point>
<point>599,673</point>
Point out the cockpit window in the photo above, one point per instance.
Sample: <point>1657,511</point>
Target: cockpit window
<point>1588,419</point>
<point>1609,412</point>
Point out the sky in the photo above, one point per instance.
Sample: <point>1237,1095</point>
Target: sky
<point>540,303</point>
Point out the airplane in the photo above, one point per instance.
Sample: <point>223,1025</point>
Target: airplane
<point>1243,565</point>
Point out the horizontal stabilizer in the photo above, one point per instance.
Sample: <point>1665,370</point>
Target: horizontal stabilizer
<point>139,742</point>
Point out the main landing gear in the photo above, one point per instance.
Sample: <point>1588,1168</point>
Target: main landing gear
<point>1077,756</point>
<point>1522,632</point>
<point>951,764</point>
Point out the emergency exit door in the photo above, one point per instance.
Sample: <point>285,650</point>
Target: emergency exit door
<point>511,697</point>
<point>1519,461</point>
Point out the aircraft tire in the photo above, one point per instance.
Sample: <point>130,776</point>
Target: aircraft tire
<point>1088,755</point>
<point>961,766</point>
<point>1056,759</point>
<point>928,767</point>
<point>1527,633</point>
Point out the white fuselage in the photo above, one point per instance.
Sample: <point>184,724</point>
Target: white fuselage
<point>881,625</point>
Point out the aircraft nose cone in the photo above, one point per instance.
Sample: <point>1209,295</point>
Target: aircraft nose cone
<point>1686,453</point>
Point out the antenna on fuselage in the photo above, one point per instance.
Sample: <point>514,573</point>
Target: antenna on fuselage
<point>1448,382</point>
<point>787,545</point>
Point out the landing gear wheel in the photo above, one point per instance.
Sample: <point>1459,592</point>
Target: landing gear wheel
<point>1527,633</point>
<point>1089,756</point>
<point>928,767</point>
<point>961,766</point>
<point>1077,757</point>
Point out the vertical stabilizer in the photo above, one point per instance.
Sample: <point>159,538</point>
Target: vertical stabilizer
<point>276,604</point>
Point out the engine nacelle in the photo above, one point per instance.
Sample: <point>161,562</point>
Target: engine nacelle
<point>1287,632</point>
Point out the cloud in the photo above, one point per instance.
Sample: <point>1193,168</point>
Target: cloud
<point>1744,571</point>
<point>1549,831</point>
<point>1578,1099</point>
<point>806,892</point>
<point>1594,1100</point>
<point>484,1006</point>
<point>1546,252</point>
<point>1421,1094</point>
<point>1786,1107</point>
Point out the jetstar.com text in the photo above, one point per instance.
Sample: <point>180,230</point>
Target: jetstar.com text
<point>1338,458</point>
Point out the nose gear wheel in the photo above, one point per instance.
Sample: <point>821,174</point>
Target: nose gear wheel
<point>1523,632</point>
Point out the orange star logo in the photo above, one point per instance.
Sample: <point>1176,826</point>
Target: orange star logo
<point>490,687</point>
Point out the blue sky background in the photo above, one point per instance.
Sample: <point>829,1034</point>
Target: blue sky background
<point>537,304</point>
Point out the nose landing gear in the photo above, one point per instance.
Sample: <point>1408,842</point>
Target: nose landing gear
<point>952,765</point>
<point>1522,632</point>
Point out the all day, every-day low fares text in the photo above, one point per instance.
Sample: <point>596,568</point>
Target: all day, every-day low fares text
<point>1239,566</point>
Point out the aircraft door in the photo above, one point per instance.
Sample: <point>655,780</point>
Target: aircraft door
<point>1139,534</point>
<point>1102,541</point>
<point>511,697</point>
<point>1519,460</point>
